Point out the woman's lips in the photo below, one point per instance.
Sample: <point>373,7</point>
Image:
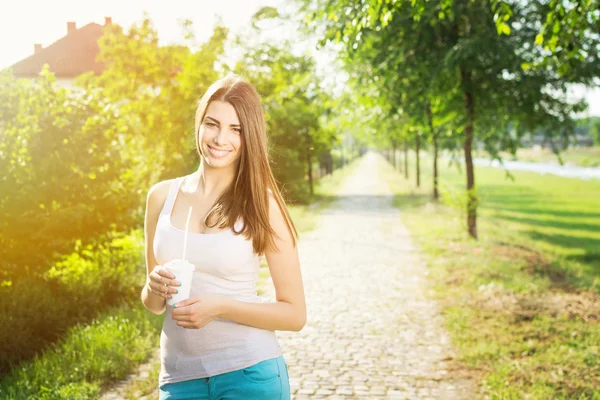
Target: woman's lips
<point>218,153</point>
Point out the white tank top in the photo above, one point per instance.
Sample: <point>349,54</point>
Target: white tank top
<point>226,264</point>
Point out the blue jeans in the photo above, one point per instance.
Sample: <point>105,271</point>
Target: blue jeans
<point>266,380</point>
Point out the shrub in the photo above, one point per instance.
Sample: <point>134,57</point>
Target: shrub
<point>37,310</point>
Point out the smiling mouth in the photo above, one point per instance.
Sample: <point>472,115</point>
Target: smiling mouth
<point>218,153</point>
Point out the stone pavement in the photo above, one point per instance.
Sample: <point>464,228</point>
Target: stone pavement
<point>370,332</point>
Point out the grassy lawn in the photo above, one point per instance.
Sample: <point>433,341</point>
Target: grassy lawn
<point>91,358</point>
<point>88,358</point>
<point>584,157</point>
<point>521,303</point>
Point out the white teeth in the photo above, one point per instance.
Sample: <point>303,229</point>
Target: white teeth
<point>217,153</point>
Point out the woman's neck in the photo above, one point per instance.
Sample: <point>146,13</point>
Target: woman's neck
<point>210,182</point>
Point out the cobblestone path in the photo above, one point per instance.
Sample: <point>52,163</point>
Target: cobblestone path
<point>371,331</point>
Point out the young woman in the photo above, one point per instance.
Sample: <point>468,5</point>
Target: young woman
<point>220,342</point>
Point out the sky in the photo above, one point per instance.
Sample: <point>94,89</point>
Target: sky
<point>25,22</point>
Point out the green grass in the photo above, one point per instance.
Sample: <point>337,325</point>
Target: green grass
<point>521,303</point>
<point>88,358</point>
<point>584,157</point>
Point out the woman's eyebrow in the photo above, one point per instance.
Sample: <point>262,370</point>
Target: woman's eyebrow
<point>217,121</point>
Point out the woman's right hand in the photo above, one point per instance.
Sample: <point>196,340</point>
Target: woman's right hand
<point>160,282</point>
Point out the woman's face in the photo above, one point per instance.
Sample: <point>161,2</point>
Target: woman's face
<point>220,135</point>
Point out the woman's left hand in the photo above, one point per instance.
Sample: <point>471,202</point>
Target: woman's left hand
<point>198,311</point>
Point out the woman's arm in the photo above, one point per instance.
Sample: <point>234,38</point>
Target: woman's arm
<point>154,201</point>
<point>289,312</point>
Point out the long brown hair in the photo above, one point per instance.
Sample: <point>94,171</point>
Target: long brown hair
<point>247,196</point>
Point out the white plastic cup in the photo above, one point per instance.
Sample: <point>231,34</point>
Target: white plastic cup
<point>184,272</point>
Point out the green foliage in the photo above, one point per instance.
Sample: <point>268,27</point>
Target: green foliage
<point>294,109</point>
<point>79,162</point>
<point>89,357</point>
<point>445,66</point>
<point>454,198</point>
<point>592,125</point>
<point>157,89</point>
<point>102,271</point>
<point>64,170</point>
<point>36,311</point>
<point>569,34</point>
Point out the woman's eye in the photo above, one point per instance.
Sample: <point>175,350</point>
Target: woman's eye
<point>238,130</point>
<point>210,124</point>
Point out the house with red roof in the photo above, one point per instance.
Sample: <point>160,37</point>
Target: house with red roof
<point>68,57</point>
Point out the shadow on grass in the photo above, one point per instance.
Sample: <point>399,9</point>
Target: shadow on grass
<point>540,214</point>
<point>555,212</point>
<point>535,262</point>
<point>553,223</point>
<point>589,258</point>
<point>567,241</point>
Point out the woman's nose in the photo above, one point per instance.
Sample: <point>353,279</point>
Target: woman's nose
<point>220,137</point>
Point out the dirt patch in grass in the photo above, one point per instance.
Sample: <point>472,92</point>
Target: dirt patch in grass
<point>562,300</point>
<point>583,305</point>
<point>534,262</point>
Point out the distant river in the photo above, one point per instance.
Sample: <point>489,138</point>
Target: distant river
<point>568,171</point>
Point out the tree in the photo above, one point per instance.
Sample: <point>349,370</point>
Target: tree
<point>156,89</point>
<point>461,41</point>
<point>62,165</point>
<point>569,34</point>
<point>295,106</point>
<point>594,130</point>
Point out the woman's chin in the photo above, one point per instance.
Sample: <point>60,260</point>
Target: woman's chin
<point>218,162</point>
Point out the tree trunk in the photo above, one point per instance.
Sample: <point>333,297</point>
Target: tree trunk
<point>406,159</point>
<point>309,169</point>
<point>468,147</point>
<point>400,167</point>
<point>418,146</point>
<point>394,154</point>
<point>436,194</point>
<point>435,151</point>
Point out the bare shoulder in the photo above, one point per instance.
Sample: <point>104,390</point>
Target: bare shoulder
<point>158,193</point>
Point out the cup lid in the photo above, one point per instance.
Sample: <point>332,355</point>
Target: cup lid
<point>180,264</point>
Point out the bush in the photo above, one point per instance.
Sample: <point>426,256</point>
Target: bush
<point>67,170</point>
<point>38,310</point>
<point>96,273</point>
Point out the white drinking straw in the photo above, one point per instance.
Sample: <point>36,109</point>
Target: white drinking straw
<point>187,224</point>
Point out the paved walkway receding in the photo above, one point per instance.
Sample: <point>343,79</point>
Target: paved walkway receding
<point>371,332</point>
